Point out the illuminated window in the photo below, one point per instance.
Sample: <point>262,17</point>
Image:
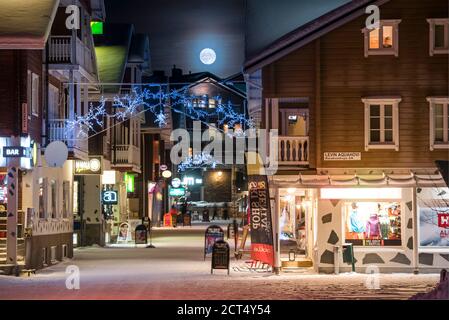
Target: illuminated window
<point>383,40</point>
<point>381,123</point>
<point>438,36</point>
<point>212,104</point>
<point>439,123</point>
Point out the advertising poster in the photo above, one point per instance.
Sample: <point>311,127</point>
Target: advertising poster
<point>212,235</point>
<point>434,227</point>
<point>261,227</point>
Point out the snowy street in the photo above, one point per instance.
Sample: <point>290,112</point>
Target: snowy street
<point>175,269</point>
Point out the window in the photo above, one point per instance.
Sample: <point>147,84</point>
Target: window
<point>65,199</point>
<point>64,251</point>
<point>42,198</point>
<point>53,103</point>
<point>383,40</point>
<point>53,199</point>
<point>438,36</point>
<point>439,122</point>
<point>373,223</point>
<point>44,257</point>
<point>35,94</point>
<point>212,104</point>
<point>53,254</point>
<point>381,123</point>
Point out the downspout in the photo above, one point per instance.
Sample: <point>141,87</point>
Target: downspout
<point>415,232</point>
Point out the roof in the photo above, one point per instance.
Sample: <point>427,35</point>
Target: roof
<point>307,33</point>
<point>26,24</point>
<point>139,50</point>
<point>111,49</point>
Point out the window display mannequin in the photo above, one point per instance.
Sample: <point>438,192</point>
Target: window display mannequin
<point>356,223</point>
<point>373,230</point>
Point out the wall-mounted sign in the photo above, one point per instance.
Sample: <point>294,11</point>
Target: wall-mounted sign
<point>176,183</point>
<point>108,177</point>
<point>93,166</point>
<point>342,156</point>
<point>163,167</point>
<point>129,182</point>
<point>109,197</point>
<point>166,174</point>
<point>16,152</point>
<point>191,181</point>
<point>24,117</point>
<point>176,192</point>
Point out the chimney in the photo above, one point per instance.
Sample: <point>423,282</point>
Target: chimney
<point>176,72</point>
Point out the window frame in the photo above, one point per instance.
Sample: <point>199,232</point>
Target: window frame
<point>382,101</point>
<point>394,50</point>
<point>35,83</point>
<point>432,23</point>
<point>432,102</point>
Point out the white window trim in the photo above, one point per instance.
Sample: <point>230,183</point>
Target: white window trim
<point>383,51</point>
<point>432,23</point>
<point>394,101</point>
<point>35,84</point>
<point>432,101</point>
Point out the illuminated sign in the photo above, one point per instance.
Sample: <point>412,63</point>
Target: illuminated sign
<point>97,27</point>
<point>361,193</point>
<point>190,181</point>
<point>129,182</point>
<point>109,197</point>
<point>93,166</point>
<point>176,192</point>
<point>16,152</point>
<point>176,183</point>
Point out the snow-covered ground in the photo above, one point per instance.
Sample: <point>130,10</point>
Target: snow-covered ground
<point>175,269</point>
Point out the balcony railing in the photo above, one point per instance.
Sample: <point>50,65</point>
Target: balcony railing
<point>75,136</point>
<point>61,51</point>
<point>126,156</point>
<point>293,150</point>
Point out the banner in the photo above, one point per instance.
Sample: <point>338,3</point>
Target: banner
<point>260,222</point>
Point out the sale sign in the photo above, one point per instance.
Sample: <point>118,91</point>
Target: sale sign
<point>443,220</point>
<point>260,220</point>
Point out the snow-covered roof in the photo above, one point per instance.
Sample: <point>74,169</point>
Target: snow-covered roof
<point>26,24</point>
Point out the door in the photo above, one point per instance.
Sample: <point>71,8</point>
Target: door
<point>294,122</point>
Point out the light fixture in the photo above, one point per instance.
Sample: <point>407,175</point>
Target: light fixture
<point>166,174</point>
<point>220,173</point>
<point>291,255</point>
<point>291,190</point>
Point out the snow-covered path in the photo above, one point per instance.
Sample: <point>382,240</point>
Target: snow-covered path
<point>175,269</point>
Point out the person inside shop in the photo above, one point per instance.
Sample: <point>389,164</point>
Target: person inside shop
<point>225,212</point>
<point>206,215</point>
<point>214,212</point>
<point>174,214</point>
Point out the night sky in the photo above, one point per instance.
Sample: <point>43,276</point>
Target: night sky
<point>180,29</point>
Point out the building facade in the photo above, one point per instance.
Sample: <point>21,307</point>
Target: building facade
<point>361,115</point>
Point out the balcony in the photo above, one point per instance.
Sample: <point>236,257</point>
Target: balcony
<point>74,136</point>
<point>293,151</point>
<point>62,50</point>
<point>126,158</point>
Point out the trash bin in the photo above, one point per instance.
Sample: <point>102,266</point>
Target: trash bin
<point>348,254</point>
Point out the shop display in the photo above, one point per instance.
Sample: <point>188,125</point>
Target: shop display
<point>434,227</point>
<point>373,223</point>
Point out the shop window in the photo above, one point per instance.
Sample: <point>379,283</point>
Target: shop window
<point>44,257</point>
<point>438,36</point>
<point>53,254</point>
<point>373,223</point>
<point>439,123</point>
<point>383,40</point>
<point>64,251</point>
<point>381,123</point>
<point>433,217</point>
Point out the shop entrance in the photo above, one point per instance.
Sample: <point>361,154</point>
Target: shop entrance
<point>296,227</point>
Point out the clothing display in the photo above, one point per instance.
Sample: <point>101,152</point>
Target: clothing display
<point>356,223</point>
<point>373,227</point>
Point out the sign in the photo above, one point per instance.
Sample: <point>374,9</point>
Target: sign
<point>213,234</point>
<point>124,233</point>
<point>187,220</point>
<point>129,182</point>
<point>163,167</point>
<point>93,166</point>
<point>176,183</point>
<point>261,227</point>
<point>342,156</point>
<point>168,220</point>
<point>24,117</point>
<point>220,256</point>
<point>16,152</point>
<point>141,233</point>
<point>109,197</point>
<point>176,192</point>
<point>434,227</point>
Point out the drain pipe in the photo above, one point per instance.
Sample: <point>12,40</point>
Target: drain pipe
<point>415,232</point>
<point>336,259</point>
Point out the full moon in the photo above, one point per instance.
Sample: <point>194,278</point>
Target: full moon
<point>208,56</point>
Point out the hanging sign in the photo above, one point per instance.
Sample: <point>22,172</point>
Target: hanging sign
<point>261,227</point>
<point>213,233</point>
<point>109,197</point>
<point>16,152</point>
<point>93,166</point>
